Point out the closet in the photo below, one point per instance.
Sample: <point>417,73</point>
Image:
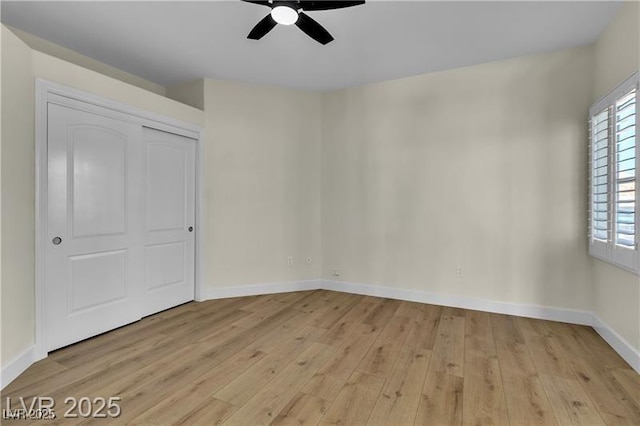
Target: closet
<point>120,217</point>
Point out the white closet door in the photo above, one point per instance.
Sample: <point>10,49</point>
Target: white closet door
<point>169,218</point>
<point>93,254</point>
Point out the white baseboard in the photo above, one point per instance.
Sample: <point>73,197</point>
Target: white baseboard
<point>618,343</point>
<point>530,311</point>
<point>17,366</point>
<point>257,289</point>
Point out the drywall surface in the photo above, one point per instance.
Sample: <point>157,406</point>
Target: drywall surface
<point>262,166</point>
<point>68,55</point>
<point>480,168</point>
<point>617,56</point>
<point>189,93</point>
<point>617,50</point>
<point>18,198</point>
<point>54,69</point>
<point>617,300</point>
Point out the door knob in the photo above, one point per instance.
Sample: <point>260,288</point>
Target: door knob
<point>56,241</point>
<point>191,229</point>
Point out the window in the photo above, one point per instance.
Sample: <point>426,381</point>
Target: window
<point>614,175</point>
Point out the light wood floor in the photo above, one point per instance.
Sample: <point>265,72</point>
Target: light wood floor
<point>332,358</point>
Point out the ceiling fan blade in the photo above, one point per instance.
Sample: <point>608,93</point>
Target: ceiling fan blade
<point>313,29</point>
<point>262,28</point>
<point>260,2</point>
<point>328,5</point>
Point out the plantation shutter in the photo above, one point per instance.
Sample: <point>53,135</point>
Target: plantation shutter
<point>600,176</point>
<point>614,151</point>
<point>625,171</point>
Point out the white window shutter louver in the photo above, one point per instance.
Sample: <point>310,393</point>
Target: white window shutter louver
<point>614,219</point>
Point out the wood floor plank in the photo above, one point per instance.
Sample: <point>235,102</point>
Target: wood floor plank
<point>323,357</point>
<point>570,402</point>
<point>210,412</point>
<point>529,404</point>
<point>247,384</point>
<point>454,312</point>
<point>381,356</point>
<point>274,338</point>
<point>511,346</point>
<point>271,399</point>
<point>448,349</point>
<point>484,400</point>
<point>546,353</point>
<point>593,372</point>
<point>353,405</point>
<point>333,375</point>
<point>177,324</point>
<point>441,400</point>
<point>316,301</point>
<point>271,303</point>
<point>99,347</point>
<point>362,309</point>
<point>478,334</point>
<point>611,399</point>
<point>328,317</point>
<point>204,328</point>
<point>220,352</point>
<point>424,329</point>
<point>597,347</point>
<point>150,325</point>
<point>629,380</point>
<point>409,310</point>
<point>303,409</point>
<point>181,404</point>
<point>339,333</point>
<point>261,310</point>
<point>38,372</point>
<point>400,396</point>
<point>141,392</point>
<point>382,312</point>
<point>107,370</point>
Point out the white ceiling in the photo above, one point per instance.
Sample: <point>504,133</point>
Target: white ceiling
<point>173,42</point>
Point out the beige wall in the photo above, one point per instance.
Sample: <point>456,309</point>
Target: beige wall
<point>617,56</point>
<point>57,70</point>
<point>68,55</point>
<point>17,194</point>
<point>20,65</point>
<point>190,93</point>
<point>481,167</point>
<point>262,184</point>
<point>617,50</point>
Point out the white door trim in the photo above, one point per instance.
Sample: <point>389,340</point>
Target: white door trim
<point>50,92</point>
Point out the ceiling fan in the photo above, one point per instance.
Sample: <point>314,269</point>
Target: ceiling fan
<point>292,12</point>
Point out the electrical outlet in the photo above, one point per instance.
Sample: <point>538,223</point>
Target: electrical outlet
<point>308,259</point>
<point>459,271</point>
<point>290,260</point>
<point>335,273</point>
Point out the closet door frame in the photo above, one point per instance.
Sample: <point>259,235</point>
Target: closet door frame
<point>47,92</point>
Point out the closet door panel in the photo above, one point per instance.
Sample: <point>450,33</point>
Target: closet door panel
<point>169,188</point>
<point>94,261</point>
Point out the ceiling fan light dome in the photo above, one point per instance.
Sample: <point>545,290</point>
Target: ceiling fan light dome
<point>284,15</point>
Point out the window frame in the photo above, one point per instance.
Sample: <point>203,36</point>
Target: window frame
<point>609,251</point>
